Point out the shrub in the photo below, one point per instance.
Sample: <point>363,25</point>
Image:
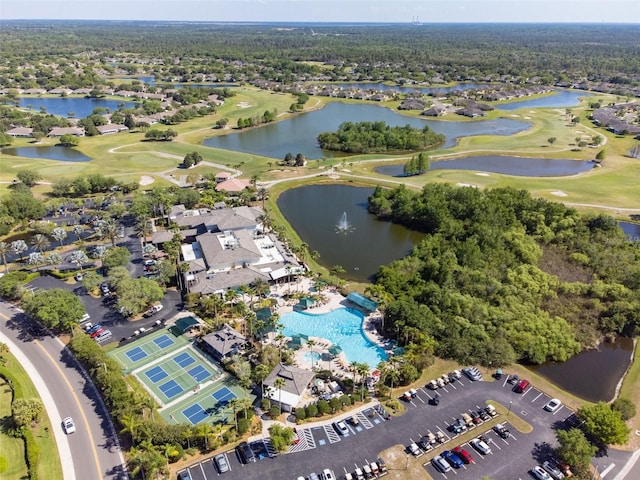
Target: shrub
<point>274,411</point>
<point>300,414</point>
<point>346,400</point>
<point>243,426</point>
<point>323,407</point>
<point>625,406</point>
<point>33,453</point>
<point>335,404</point>
<point>175,453</point>
<point>312,411</point>
<point>265,404</point>
<point>10,285</point>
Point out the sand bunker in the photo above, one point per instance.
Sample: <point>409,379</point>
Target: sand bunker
<point>527,118</point>
<point>559,193</point>
<point>515,115</point>
<point>146,180</point>
<point>243,105</point>
<point>482,174</point>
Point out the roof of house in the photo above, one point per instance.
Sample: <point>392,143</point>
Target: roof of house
<point>223,249</point>
<point>296,380</point>
<point>20,131</point>
<point>111,127</point>
<point>233,185</point>
<point>225,340</point>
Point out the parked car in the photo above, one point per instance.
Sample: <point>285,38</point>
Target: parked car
<point>444,378</point>
<point>472,373</point>
<point>424,443</point>
<point>221,463</point>
<point>475,418</point>
<point>539,473</point>
<point>153,310</point>
<point>413,392</point>
<point>484,416</point>
<point>435,400</point>
<point>513,379</point>
<point>501,430</point>
<point>341,428</point>
<point>92,328</point>
<point>440,437</point>
<point>68,425</point>
<point>463,454</point>
<point>467,419</point>
<point>553,405</point>
<point>521,386</point>
<point>328,475</point>
<point>97,331</point>
<point>481,446</point>
<point>406,396</point>
<point>358,473</point>
<point>491,410</point>
<point>440,464</point>
<point>439,382</point>
<point>452,458</point>
<point>367,471</point>
<point>455,375</point>
<point>245,453</point>
<point>414,449</point>
<point>375,470</point>
<point>382,465</point>
<point>553,470</point>
<point>432,385</point>
<point>184,475</point>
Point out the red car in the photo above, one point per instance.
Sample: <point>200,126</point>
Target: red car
<point>463,454</point>
<point>97,332</point>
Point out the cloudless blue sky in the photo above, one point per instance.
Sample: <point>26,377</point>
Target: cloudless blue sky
<point>428,11</point>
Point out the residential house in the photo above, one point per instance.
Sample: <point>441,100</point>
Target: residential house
<point>223,343</point>
<point>19,132</point>
<point>59,131</point>
<point>111,128</point>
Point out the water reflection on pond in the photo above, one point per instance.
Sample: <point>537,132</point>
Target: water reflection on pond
<point>80,106</point>
<point>299,134</point>
<point>593,374</point>
<point>517,166</point>
<point>362,243</point>
<point>632,230</point>
<point>559,99</point>
<point>63,154</point>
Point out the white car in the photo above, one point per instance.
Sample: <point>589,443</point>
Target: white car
<point>341,428</point>
<point>328,475</point>
<point>540,474</point>
<point>553,405</point>
<point>414,449</point>
<point>68,425</point>
<point>480,446</point>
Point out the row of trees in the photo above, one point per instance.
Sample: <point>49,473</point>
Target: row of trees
<point>499,276</point>
<point>372,137</point>
<point>417,166</point>
<point>160,135</point>
<point>267,117</point>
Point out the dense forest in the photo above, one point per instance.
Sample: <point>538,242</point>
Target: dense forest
<point>502,276</point>
<point>376,137</point>
<point>446,52</point>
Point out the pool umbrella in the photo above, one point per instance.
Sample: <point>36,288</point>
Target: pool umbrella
<point>334,350</point>
<point>296,342</point>
<point>398,351</point>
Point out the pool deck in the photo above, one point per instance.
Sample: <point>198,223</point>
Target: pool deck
<point>333,301</point>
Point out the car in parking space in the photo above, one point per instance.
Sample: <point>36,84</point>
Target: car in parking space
<point>539,473</point>
<point>327,475</point>
<point>84,318</point>
<point>440,464</point>
<point>153,310</point>
<point>552,470</point>
<point>467,419</point>
<point>481,446</point>
<point>444,378</point>
<point>521,386</point>
<point>440,437</point>
<point>452,458</point>
<point>472,373</point>
<point>382,465</point>
<point>221,463</point>
<point>341,427</point>
<point>476,418</point>
<point>440,382</point>
<point>484,416</point>
<point>463,454</point>
<point>414,449</point>
<point>313,476</point>
<point>92,328</point>
<point>406,396</point>
<point>97,331</point>
<point>513,379</point>
<point>68,425</point>
<point>435,400</point>
<point>424,443</point>
<point>245,453</point>
<point>501,430</point>
<point>491,410</point>
<point>184,475</point>
<point>455,375</point>
<point>553,405</point>
<point>432,385</point>
<point>353,420</point>
<point>413,392</point>
<point>368,473</point>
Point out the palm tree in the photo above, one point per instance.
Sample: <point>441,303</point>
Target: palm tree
<point>78,230</point>
<point>311,343</point>
<point>143,229</point>
<point>4,249</point>
<point>131,425</point>
<point>40,242</point>
<point>234,404</point>
<point>59,234</point>
<point>19,247</point>
<point>203,432</point>
<point>362,369</point>
<point>244,404</point>
<point>279,383</point>
<point>260,373</point>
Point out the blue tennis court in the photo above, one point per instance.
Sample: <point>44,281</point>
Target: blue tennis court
<point>170,389</point>
<point>195,413</point>
<point>184,359</point>
<point>163,342</point>
<point>223,395</point>
<point>199,373</point>
<point>136,353</point>
<point>156,374</point>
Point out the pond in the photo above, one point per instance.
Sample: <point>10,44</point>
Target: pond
<point>593,374</point>
<point>559,99</point>
<point>517,166</point>
<point>299,134</point>
<point>63,154</point>
<point>362,246</point>
<point>632,230</point>
<point>80,106</point>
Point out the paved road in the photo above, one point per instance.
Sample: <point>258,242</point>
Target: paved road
<point>93,449</point>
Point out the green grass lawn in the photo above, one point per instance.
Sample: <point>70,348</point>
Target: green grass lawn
<point>49,466</point>
<point>12,464</point>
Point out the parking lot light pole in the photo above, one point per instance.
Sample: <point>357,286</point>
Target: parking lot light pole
<point>510,402</point>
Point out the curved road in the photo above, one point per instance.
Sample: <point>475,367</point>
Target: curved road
<point>91,452</point>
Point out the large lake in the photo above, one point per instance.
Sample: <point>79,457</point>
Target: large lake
<point>559,99</point>
<point>517,166</point>
<point>299,134</point>
<point>80,106</point>
<point>314,212</point>
<point>460,87</point>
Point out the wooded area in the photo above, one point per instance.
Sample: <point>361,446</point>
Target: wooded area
<point>502,276</point>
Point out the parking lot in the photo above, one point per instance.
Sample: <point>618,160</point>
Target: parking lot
<point>512,457</point>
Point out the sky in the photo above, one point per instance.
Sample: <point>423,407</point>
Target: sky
<point>392,11</point>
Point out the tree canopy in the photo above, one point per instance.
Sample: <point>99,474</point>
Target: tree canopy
<point>371,137</point>
<point>56,308</point>
<point>502,276</point>
<point>604,423</point>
